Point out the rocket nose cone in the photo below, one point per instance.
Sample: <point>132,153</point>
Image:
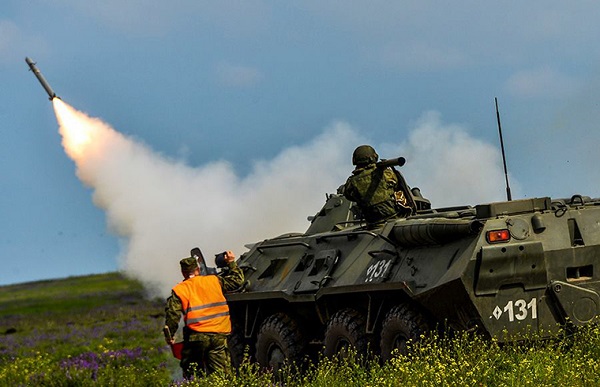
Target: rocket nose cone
<point>28,60</point>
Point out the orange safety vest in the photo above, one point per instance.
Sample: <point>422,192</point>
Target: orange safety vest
<point>204,306</point>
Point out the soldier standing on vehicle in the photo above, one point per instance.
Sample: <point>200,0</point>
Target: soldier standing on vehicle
<point>200,299</point>
<point>378,192</point>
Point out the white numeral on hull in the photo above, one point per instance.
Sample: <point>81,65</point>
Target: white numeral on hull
<point>519,309</point>
<point>377,270</point>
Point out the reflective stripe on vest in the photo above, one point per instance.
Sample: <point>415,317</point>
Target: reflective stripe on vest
<point>204,306</point>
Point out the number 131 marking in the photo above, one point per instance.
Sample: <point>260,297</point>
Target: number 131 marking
<point>519,309</point>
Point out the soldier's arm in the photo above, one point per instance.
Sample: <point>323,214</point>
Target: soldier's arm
<point>232,279</point>
<point>173,311</point>
<point>348,190</point>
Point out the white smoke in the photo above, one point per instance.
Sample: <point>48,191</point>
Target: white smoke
<point>162,207</point>
<point>451,167</point>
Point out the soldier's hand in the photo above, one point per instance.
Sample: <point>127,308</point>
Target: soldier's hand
<point>170,341</point>
<point>229,256</point>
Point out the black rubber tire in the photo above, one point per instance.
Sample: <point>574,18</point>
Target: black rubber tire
<point>401,324</point>
<point>346,329</point>
<point>279,340</point>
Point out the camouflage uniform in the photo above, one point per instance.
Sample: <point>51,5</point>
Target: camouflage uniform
<point>373,191</point>
<point>380,193</point>
<point>203,351</point>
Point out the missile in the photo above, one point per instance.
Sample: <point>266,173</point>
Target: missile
<point>41,78</point>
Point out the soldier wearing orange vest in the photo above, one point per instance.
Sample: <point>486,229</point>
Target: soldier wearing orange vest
<point>200,299</point>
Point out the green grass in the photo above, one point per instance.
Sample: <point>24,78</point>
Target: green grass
<point>100,330</point>
<point>64,296</point>
<point>92,330</point>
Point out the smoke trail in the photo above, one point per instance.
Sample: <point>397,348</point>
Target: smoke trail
<point>450,166</point>
<point>162,207</point>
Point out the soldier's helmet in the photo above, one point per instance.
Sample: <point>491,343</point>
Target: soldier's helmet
<point>364,155</point>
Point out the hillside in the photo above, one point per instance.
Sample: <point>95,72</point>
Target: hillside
<point>74,329</point>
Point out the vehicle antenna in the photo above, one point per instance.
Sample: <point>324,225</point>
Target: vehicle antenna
<point>508,195</point>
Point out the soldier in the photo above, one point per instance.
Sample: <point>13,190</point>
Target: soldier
<point>205,312</point>
<point>379,192</point>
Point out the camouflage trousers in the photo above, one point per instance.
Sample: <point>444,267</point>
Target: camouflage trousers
<point>205,353</point>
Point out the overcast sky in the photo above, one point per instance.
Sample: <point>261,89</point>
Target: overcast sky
<point>264,101</point>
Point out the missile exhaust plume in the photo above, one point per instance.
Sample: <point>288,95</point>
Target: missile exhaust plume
<point>162,207</point>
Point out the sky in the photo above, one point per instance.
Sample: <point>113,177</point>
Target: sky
<point>221,123</point>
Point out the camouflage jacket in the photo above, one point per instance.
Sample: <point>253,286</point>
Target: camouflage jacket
<point>373,190</point>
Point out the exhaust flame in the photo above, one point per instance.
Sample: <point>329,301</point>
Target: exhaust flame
<point>79,132</point>
<point>162,208</point>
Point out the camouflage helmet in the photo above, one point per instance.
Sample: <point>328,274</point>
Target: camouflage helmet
<point>188,265</point>
<point>364,154</point>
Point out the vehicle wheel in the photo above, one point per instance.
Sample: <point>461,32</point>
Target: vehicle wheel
<point>346,329</point>
<point>237,346</point>
<point>279,340</point>
<point>401,325</point>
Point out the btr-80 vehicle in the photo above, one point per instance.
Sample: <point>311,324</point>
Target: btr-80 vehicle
<point>508,269</point>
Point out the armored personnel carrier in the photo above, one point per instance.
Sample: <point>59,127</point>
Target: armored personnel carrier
<point>507,269</point>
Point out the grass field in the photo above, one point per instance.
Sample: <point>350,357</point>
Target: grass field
<point>100,330</point>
